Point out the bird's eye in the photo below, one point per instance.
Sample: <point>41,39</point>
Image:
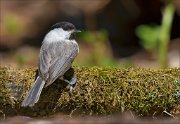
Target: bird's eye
<point>72,36</point>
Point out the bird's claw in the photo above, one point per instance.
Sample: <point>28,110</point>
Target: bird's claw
<point>70,89</point>
<point>71,82</point>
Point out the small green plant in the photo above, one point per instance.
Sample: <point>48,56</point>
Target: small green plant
<point>99,52</point>
<point>155,38</point>
<point>149,35</point>
<point>20,60</point>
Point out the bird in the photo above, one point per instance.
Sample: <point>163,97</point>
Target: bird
<point>58,50</point>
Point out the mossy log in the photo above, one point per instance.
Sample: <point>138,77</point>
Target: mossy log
<point>98,91</point>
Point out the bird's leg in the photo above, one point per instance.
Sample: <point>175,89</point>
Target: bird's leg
<point>70,78</point>
<point>71,82</point>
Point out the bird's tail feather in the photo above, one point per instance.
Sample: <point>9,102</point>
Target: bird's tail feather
<point>33,96</point>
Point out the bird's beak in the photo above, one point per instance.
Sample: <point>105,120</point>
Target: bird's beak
<point>77,31</point>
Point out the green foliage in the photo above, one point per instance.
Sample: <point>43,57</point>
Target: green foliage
<point>20,60</point>
<point>99,51</point>
<point>90,37</point>
<point>165,32</point>
<point>157,37</point>
<point>149,36</point>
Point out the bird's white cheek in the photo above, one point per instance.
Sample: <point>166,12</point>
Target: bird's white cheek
<point>56,35</point>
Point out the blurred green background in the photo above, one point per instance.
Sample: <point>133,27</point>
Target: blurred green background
<point>119,33</point>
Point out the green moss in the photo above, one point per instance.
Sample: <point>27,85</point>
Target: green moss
<point>3,77</point>
<point>99,91</point>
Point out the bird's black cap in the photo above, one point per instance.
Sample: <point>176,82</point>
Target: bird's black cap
<point>67,26</point>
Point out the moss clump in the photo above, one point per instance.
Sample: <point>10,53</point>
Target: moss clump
<point>3,79</point>
<point>99,91</point>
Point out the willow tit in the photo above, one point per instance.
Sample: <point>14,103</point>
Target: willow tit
<point>57,53</point>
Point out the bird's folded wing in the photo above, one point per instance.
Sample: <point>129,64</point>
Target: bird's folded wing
<point>60,64</point>
<point>44,63</point>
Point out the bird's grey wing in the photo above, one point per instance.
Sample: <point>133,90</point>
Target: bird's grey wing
<point>44,62</point>
<point>62,61</point>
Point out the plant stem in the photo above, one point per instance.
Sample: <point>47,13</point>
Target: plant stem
<point>165,34</point>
